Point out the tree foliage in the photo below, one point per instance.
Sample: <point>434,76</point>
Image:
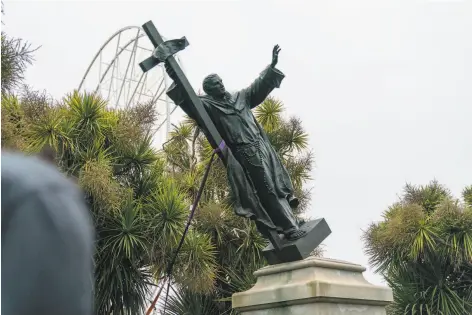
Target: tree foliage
<point>139,198</point>
<point>423,247</point>
<point>17,55</point>
<point>139,213</point>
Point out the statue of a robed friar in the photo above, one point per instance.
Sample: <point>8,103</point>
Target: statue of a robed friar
<point>260,184</point>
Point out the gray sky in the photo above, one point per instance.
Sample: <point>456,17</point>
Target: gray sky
<point>384,88</point>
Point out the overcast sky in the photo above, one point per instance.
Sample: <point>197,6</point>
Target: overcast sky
<point>384,88</point>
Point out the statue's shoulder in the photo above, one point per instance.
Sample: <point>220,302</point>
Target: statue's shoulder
<point>206,100</point>
<point>230,105</point>
<point>204,97</point>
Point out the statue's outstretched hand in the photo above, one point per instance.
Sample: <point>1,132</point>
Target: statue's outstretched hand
<point>275,55</point>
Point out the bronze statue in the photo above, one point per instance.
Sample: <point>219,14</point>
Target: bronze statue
<point>267,181</point>
<point>259,183</point>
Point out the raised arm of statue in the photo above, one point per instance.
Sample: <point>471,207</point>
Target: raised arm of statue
<point>258,91</point>
<point>269,79</point>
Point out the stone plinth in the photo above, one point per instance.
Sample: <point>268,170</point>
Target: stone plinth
<point>313,286</point>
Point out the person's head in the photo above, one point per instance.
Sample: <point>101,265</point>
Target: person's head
<point>213,85</point>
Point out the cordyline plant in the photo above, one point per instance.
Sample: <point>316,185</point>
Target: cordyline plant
<point>139,213</point>
<point>423,248</point>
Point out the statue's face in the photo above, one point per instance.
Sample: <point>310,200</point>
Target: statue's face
<point>215,87</point>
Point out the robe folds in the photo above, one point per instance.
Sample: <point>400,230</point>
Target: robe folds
<point>259,182</point>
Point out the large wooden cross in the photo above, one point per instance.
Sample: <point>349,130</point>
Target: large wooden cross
<point>163,52</point>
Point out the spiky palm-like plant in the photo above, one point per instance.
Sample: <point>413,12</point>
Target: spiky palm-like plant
<point>138,211</point>
<point>423,247</point>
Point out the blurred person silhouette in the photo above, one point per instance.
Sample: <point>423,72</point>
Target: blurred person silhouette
<point>47,240</point>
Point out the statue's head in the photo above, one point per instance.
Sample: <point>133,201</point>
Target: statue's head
<point>213,85</point>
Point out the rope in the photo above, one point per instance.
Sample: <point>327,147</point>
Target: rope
<point>189,221</point>
<point>153,304</point>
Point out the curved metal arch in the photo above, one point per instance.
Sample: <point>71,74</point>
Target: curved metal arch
<point>113,62</point>
<point>101,49</point>
<point>131,60</point>
<point>164,81</point>
<point>106,43</point>
<point>115,58</point>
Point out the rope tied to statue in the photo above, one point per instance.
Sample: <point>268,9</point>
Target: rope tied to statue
<point>168,273</point>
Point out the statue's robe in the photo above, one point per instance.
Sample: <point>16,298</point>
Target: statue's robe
<point>259,182</point>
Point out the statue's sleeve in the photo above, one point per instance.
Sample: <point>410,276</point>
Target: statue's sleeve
<point>177,95</point>
<point>257,92</point>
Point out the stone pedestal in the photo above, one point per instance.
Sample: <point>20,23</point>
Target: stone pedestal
<point>313,286</point>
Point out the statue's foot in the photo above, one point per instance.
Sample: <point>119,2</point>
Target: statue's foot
<point>295,235</point>
<point>293,202</point>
